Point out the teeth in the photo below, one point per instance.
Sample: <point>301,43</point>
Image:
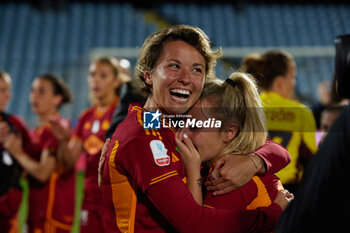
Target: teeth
<point>179,99</point>
<point>179,91</point>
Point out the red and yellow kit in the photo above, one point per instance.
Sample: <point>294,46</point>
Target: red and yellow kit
<point>91,130</point>
<point>10,171</point>
<point>144,189</point>
<point>260,191</point>
<point>51,204</point>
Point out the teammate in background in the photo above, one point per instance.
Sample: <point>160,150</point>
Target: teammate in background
<point>10,170</point>
<point>289,122</point>
<point>143,178</point>
<point>130,93</point>
<point>88,138</point>
<point>51,195</point>
<point>236,103</point>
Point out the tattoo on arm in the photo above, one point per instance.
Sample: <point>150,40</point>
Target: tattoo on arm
<point>199,182</point>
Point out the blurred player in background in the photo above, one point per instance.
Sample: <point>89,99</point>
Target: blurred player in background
<point>51,195</point>
<point>289,122</point>
<point>104,82</point>
<point>10,170</point>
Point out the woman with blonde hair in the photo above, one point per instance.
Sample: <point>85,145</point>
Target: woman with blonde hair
<point>143,177</point>
<point>236,103</point>
<point>104,82</point>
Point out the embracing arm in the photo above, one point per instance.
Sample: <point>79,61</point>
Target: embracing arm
<point>274,155</point>
<point>174,201</point>
<point>233,171</point>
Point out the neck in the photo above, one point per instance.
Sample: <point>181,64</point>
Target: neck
<point>44,117</point>
<point>105,101</point>
<point>150,104</point>
<point>279,91</point>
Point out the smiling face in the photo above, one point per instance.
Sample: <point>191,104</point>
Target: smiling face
<point>177,79</point>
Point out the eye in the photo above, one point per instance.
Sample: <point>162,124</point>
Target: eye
<point>104,75</point>
<point>198,70</point>
<point>174,65</point>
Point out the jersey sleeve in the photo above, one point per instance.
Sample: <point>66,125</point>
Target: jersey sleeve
<point>78,131</point>
<point>174,201</point>
<point>274,155</point>
<point>165,188</point>
<point>20,126</point>
<point>146,159</point>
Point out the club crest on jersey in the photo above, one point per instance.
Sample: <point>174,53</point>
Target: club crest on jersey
<point>159,153</point>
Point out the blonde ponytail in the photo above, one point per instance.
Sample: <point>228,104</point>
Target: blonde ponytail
<point>237,101</point>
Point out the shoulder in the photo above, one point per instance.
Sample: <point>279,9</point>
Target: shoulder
<point>86,112</point>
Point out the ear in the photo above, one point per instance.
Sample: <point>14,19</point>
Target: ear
<point>229,133</point>
<point>279,82</point>
<point>118,82</point>
<point>58,100</point>
<point>148,77</point>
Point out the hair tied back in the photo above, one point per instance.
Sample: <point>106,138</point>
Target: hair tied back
<point>231,82</point>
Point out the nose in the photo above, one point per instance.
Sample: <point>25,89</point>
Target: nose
<point>185,77</point>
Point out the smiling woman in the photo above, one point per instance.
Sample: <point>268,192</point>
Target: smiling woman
<point>143,177</point>
<point>178,78</point>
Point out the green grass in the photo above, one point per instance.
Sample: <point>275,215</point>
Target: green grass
<point>79,194</point>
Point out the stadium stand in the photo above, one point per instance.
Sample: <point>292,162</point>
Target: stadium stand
<point>35,41</point>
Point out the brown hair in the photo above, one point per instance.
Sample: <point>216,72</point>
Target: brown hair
<point>59,87</point>
<point>266,67</point>
<point>153,45</point>
<point>237,101</point>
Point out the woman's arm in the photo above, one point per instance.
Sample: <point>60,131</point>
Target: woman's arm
<point>69,149</point>
<point>165,188</point>
<point>68,152</point>
<point>39,170</point>
<point>232,172</point>
<point>192,163</point>
<point>176,204</point>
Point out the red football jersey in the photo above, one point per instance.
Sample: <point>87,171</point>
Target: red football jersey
<point>258,192</point>
<point>144,189</point>
<point>51,202</point>
<point>91,129</point>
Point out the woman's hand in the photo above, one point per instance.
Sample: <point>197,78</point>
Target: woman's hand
<point>60,132</point>
<point>102,162</point>
<point>13,144</point>
<point>232,172</point>
<point>192,162</point>
<point>189,153</point>
<point>283,198</point>
<point>4,131</point>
